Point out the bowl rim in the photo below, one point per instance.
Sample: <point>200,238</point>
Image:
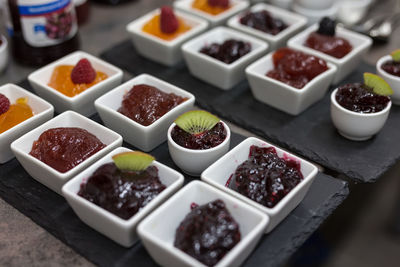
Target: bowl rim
<point>384,73</point>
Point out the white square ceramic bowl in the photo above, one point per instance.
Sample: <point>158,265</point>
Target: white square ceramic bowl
<point>282,96</point>
<point>145,138</point>
<point>213,71</point>
<point>214,20</point>
<point>157,231</point>
<point>42,112</point>
<point>295,24</point>
<point>119,230</point>
<point>218,174</point>
<point>45,174</point>
<point>82,103</point>
<point>392,80</point>
<point>162,51</point>
<point>345,65</point>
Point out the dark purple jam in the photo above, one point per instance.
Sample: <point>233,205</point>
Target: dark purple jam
<point>358,97</point>
<point>392,67</point>
<point>265,177</point>
<point>204,140</point>
<point>208,232</point>
<point>122,193</point>
<point>263,21</point>
<point>228,52</point>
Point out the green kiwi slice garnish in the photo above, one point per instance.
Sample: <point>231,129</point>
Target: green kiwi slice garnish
<point>132,161</point>
<point>378,85</point>
<point>197,121</point>
<point>396,55</point>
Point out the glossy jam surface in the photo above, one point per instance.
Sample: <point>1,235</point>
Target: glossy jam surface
<point>295,68</point>
<point>17,113</point>
<point>263,21</point>
<point>227,52</point>
<point>145,104</point>
<point>208,232</point>
<point>205,7</point>
<point>122,193</point>
<point>392,67</point>
<point>65,148</point>
<point>153,27</point>
<point>265,177</point>
<point>331,45</point>
<point>61,81</point>
<point>358,97</point>
<point>205,140</point>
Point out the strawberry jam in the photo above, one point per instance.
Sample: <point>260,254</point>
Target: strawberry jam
<point>295,68</point>
<point>65,148</point>
<point>204,140</point>
<point>145,104</point>
<point>331,45</point>
<point>122,193</point>
<point>265,177</point>
<point>392,67</point>
<point>227,52</point>
<point>263,21</point>
<point>208,232</point>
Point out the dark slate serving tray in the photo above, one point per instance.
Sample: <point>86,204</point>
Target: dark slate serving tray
<point>53,213</point>
<point>310,134</point>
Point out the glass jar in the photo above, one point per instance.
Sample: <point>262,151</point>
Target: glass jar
<point>82,8</point>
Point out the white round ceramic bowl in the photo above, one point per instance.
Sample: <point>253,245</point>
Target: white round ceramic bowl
<point>315,4</point>
<point>192,161</point>
<point>3,53</point>
<point>357,126</point>
<point>392,80</point>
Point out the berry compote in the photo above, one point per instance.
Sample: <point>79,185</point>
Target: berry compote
<point>208,232</point>
<point>331,45</point>
<point>392,67</point>
<point>265,177</point>
<point>204,140</point>
<point>145,103</point>
<point>121,192</point>
<point>263,21</point>
<point>360,98</point>
<point>227,52</point>
<point>295,68</point>
<point>65,148</point>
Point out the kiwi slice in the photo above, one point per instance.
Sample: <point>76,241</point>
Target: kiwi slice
<point>378,85</point>
<point>196,121</point>
<point>396,55</point>
<point>132,161</point>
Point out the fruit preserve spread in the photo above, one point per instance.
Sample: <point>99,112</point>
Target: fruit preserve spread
<point>265,177</point>
<point>360,98</point>
<point>295,68</point>
<point>65,148</point>
<point>145,104</point>
<point>204,140</point>
<point>122,192</point>
<point>166,25</point>
<point>227,52</point>
<point>212,7</point>
<point>392,67</point>
<point>72,80</point>
<point>11,115</point>
<point>208,232</point>
<point>263,21</point>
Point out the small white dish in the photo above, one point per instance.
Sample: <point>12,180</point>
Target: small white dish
<point>354,125</point>
<point>45,174</point>
<point>157,231</point>
<point>145,138</point>
<point>3,53</point>
<point>282,96</point>
<point>218,174</point>
<point>346,64</point>
<point>83,102</point>
<point>392,80</point>
<point>42,112</point>
<point>119,230</point>
<point>295,24</point>
<point>214,20</point>
<point>159,50</point>
<point>214,71</point>
<point>193,161</point>
<point>315,4</point>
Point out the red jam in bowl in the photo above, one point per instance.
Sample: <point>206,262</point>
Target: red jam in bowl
<point>263,21</point>
<point>208,232</point>
<point>65,148</point>
<point>392,67</point>
<point>145,104</point>
<point>227,52</point>
<point>295,68</point>
<point>265,177</point>
<point>331,45</point>
<point>122,193</point>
